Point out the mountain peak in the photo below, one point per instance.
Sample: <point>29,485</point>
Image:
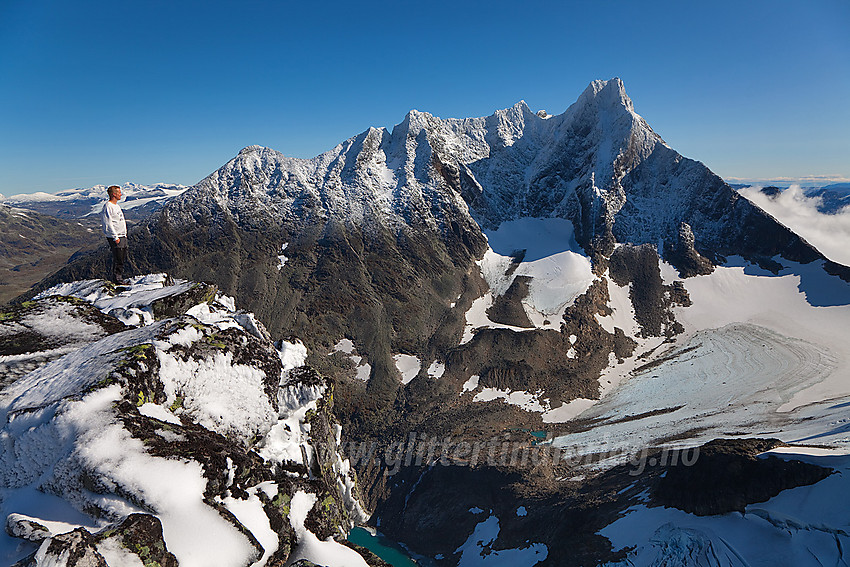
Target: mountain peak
<point>608,93</point>
<point>521,106</point>
<point>253,149</point>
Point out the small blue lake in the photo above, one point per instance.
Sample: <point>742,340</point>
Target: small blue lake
<point>383,547</point>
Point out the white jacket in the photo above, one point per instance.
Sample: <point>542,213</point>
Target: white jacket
<point>112,218</point>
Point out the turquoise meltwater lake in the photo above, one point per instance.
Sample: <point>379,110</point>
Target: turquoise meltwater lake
<point>386,549</point>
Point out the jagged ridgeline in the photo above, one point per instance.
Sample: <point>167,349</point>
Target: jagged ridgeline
<point>376,240</point>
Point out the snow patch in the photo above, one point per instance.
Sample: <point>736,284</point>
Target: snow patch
<point>436,370</point>
<point>408,365</point>
<point>363,372</point>
<point>344,345</point>
<point>292,355</point>
<point>524,400</point>
<point>116,554</point>
<point>567,411</point>
<point>158,412</point>
<point>543,250</point>
<point>471,384</point>
<point>477,550</point>
<point>288,439</point>
<point>362,369</point>
<point>224,397</point>
<point>281,259</point>
<point>250,514</point>
<point>328,553</point>
<point>623,312</point>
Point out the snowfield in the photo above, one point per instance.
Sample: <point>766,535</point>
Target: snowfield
<point>757,358</point>
<point>558,269</point>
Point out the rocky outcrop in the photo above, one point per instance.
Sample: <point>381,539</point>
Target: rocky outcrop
<point>729,475</point>
<point>34,333</point>
<point>136,538</point>
<point>507,308</point>
<point>683,255</point>
<point>637,267</point>
<point>168,432</point>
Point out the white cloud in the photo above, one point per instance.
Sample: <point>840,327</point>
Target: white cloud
<point>829,233</point>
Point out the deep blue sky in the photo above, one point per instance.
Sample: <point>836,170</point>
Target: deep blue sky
<point>168,90</point>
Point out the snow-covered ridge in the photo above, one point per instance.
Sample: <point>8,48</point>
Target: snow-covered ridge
<point>131,192</point>
<point>428,170</point>
<point>134,425</point>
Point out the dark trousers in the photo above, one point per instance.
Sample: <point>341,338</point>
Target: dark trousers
<point>119,256</point>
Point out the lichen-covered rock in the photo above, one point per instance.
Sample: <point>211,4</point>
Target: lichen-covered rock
<point>178,304</point>
<point>76,548</point>
<point>141,535</point>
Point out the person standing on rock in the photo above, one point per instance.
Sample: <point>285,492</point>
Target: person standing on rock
<point>115,229</point>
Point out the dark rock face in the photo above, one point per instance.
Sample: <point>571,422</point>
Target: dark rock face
<point>449,498</point>
<point>684,256</point>
<point>728,475</point>
<point>541,359</point>
<point>529,506</point>
<point>652,300</point>
<point>507,308</point>
<point>178,304</point>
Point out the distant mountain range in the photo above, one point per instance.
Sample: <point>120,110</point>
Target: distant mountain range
<point>138,202</point>
<point>528,285</point>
